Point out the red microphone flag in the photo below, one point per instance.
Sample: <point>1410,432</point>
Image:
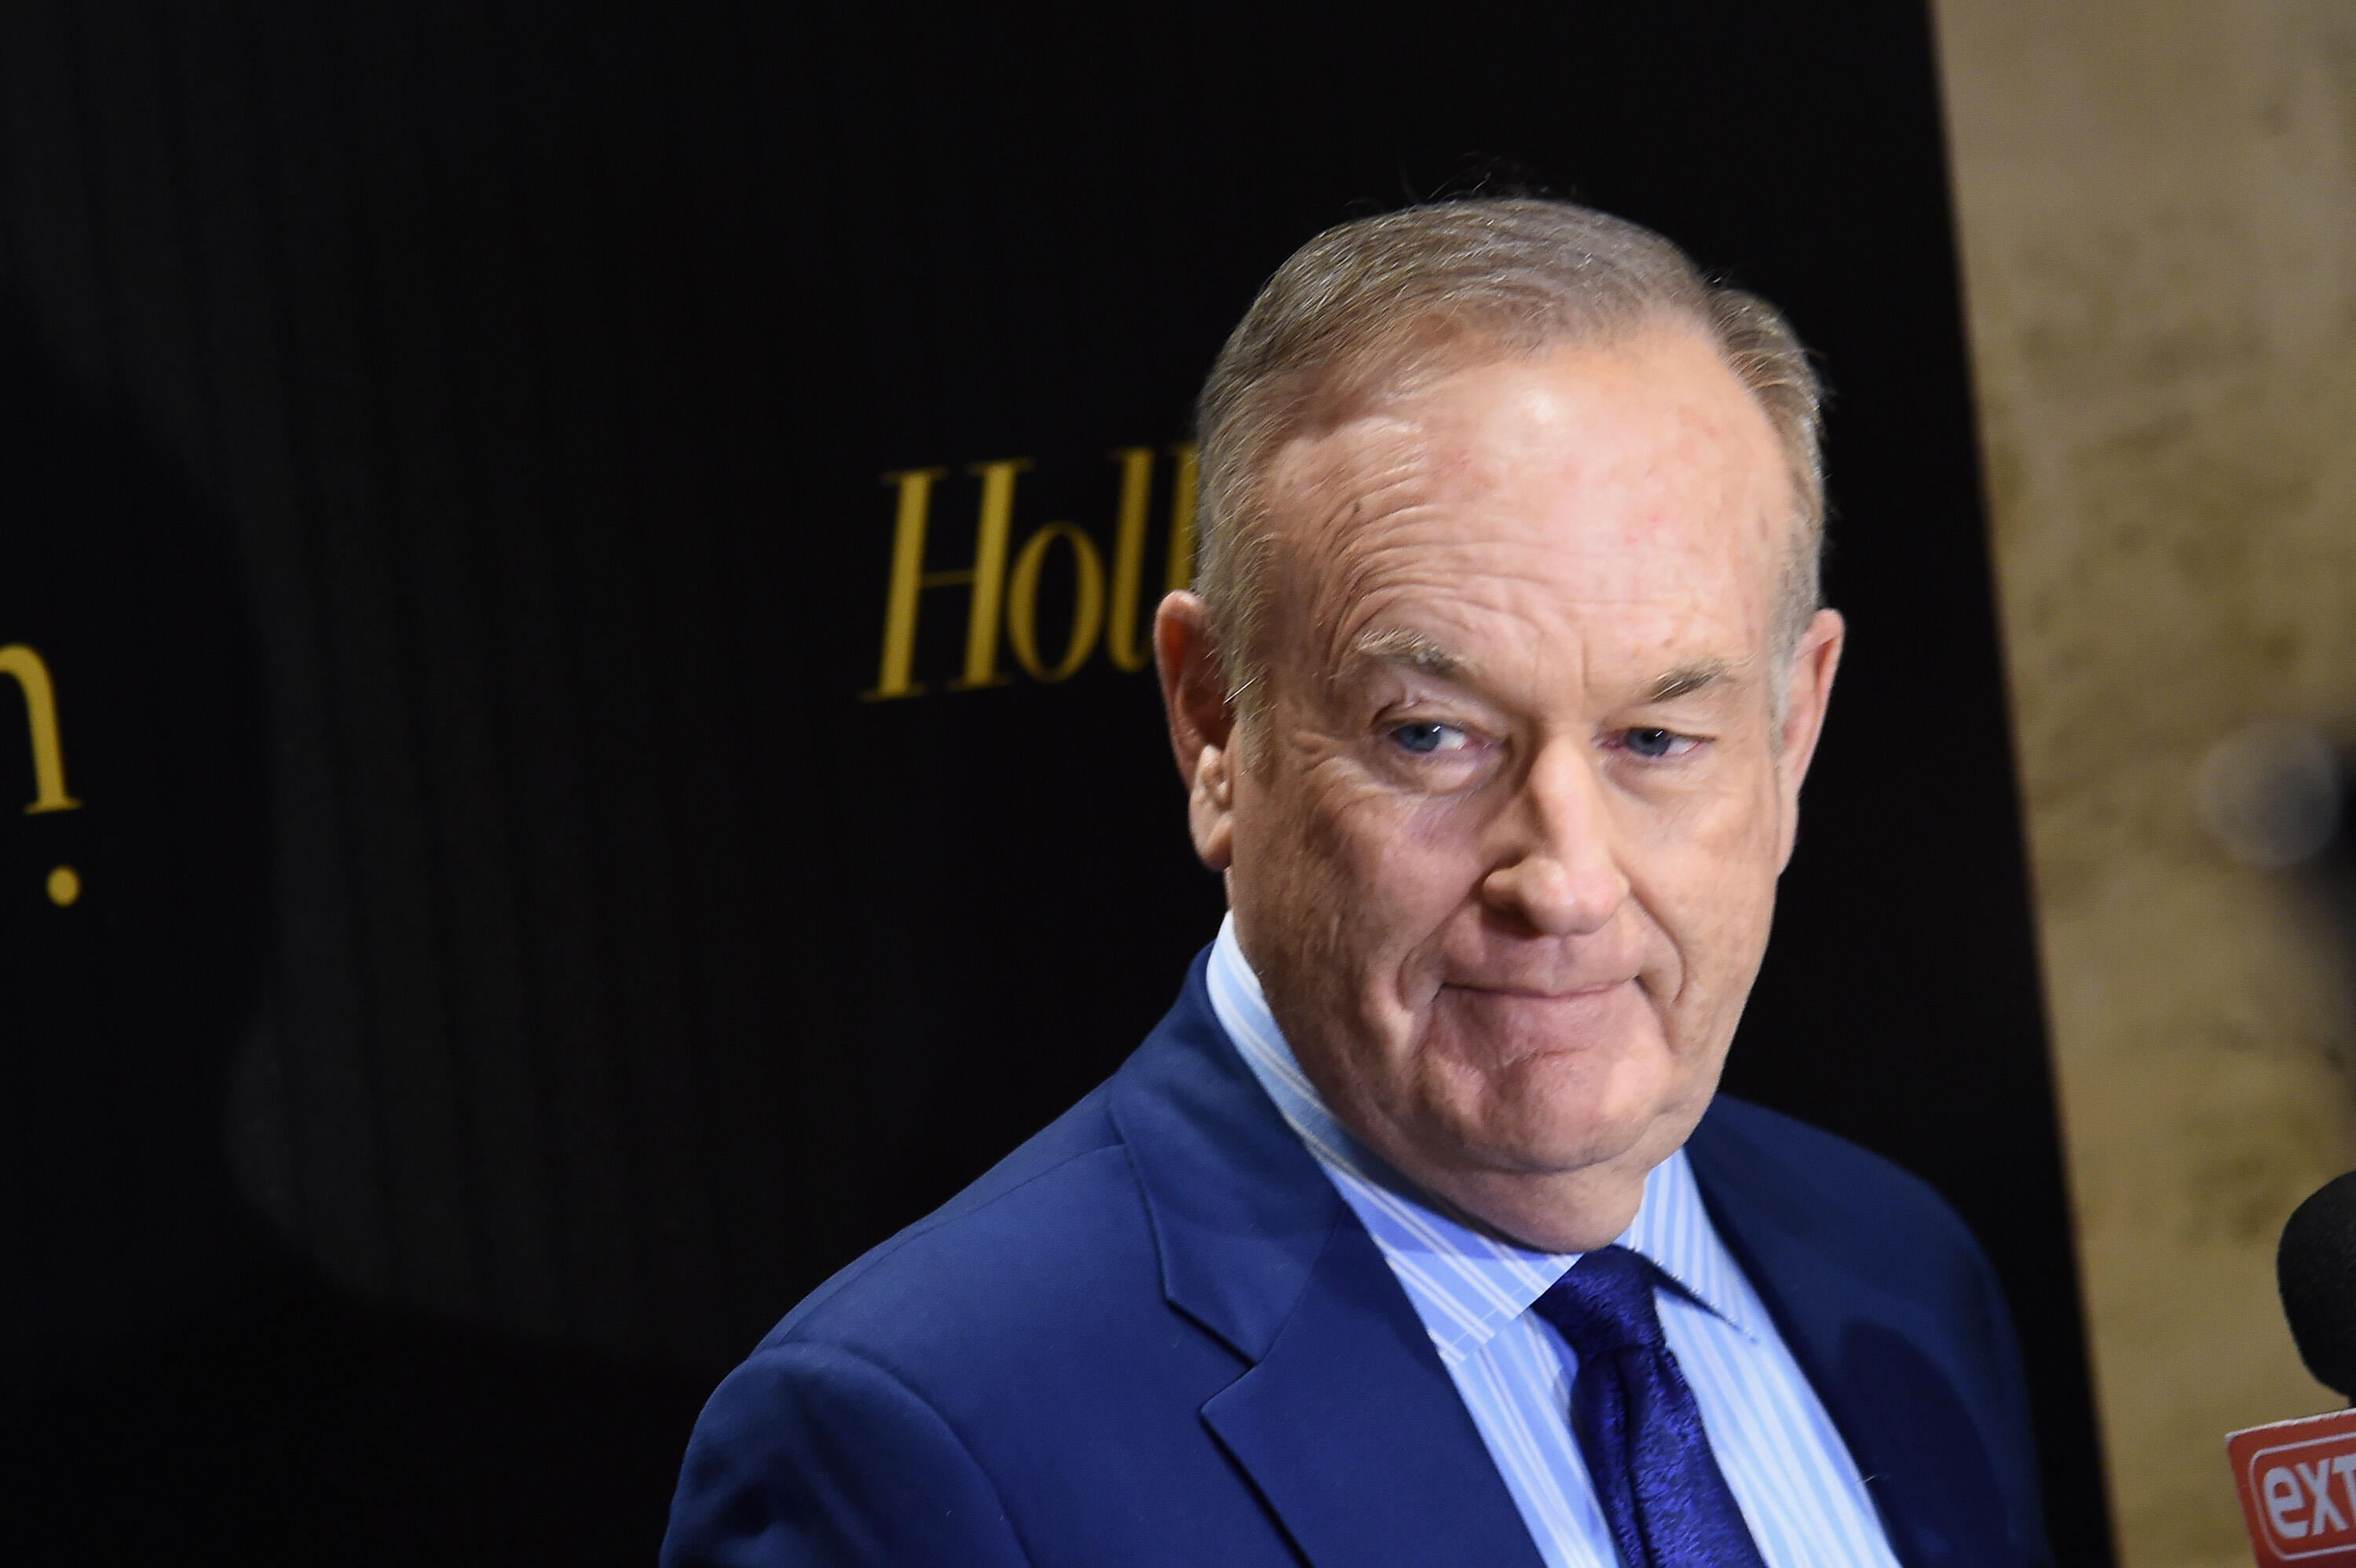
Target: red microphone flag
<point>2298,1481</point>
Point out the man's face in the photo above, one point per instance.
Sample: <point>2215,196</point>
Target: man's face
<point>1502,843</point>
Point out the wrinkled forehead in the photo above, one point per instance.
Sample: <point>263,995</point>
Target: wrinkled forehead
<point>1621,471</point>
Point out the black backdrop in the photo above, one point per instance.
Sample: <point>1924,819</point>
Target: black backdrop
<point>441,465</point>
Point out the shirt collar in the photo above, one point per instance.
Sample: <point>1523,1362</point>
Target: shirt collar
<point>1465,1282</point>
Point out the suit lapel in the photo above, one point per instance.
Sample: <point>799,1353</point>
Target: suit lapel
<point>1342,1417</point>
<point>1356,1434</point>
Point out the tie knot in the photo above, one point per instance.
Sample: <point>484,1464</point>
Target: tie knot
<point>1605,1304</point>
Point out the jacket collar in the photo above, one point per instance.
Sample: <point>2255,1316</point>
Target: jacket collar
<point>1257,1248</point>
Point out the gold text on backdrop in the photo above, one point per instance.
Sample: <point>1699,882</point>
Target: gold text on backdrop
<point>994,593</point>
<point>32,677</point>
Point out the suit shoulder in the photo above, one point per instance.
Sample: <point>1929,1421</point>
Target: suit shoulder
<point>1020,1252</point>
<point>1820,1181</point>
<point>1879,1284</point>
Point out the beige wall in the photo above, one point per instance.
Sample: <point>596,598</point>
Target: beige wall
<point>2157,201</point>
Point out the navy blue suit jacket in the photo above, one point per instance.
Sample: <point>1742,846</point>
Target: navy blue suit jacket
<point>1156,1335</point>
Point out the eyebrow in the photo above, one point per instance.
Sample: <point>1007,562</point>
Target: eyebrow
<point>1685,680</point>
<point>1414,650</point>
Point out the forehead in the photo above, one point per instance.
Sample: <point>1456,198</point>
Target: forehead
<point>1634,487</point>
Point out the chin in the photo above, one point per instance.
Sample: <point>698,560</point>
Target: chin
<point>1553,1115</point>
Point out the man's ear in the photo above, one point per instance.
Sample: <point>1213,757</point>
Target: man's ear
<point>1201,723</point>
<point>1809,694</point>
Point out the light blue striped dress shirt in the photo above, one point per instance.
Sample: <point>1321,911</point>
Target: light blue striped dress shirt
<point>1785,1464</point>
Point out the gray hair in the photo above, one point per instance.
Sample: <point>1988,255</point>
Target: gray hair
<point>1379,298</point>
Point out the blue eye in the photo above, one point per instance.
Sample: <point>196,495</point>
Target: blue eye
<point>1650,743</point>
<point>1422,738</point>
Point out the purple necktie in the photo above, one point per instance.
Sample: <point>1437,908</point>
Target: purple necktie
<point>1637,1424</point>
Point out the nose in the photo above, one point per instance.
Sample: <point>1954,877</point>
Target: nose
<point>1559,871</point>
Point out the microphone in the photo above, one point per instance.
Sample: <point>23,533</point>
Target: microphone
<point>2297,1478</point>
<point>2315,1267</point>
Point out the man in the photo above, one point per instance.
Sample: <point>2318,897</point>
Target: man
<point>1413,1234</point>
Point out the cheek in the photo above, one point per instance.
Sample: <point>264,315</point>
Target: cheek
<point>1712,886</point>
<point>1372,876</point>
<point>1724,938</point>
<point>1411,866</point>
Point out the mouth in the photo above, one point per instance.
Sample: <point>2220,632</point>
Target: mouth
<point>1518,1023</point>
<point>1590,990</point>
